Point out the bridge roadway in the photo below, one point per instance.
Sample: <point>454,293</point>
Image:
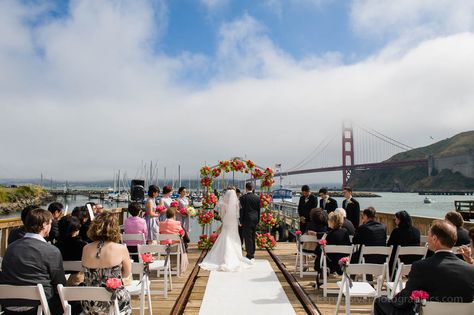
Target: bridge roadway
<point>366,166</point>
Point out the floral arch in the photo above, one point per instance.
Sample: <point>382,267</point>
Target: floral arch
<point>210,200</point>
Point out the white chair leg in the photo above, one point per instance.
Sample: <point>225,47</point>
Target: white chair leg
<point>339,297</point>
<point>148,292</point>
<point>142,297</point>
<point>301,266</point>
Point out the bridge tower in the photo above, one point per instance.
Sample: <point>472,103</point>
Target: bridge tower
<point>347,151</point>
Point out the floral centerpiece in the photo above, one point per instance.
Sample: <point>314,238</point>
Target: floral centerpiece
<point>419,297</point>
<point>265,241</point>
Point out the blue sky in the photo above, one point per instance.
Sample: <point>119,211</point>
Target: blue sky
<point>184,82</point>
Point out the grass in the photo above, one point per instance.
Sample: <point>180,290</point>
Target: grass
<point>23,192</point>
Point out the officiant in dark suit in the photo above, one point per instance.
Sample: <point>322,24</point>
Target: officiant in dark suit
<point>307,202</point>
<point>351,206</point>
<point>249,218</point>
<point>326,202</point>
<point>443,276</point>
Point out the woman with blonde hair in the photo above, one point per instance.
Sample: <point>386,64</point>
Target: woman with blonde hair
<point>103,259</point>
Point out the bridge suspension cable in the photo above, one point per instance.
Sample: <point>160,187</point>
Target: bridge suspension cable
<point>315,153</point>
<point>386,139</point>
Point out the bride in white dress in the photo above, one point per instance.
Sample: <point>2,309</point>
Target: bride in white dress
<point>226,253</point>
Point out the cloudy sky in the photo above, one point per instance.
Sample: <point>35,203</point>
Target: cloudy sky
<point>89,87</point>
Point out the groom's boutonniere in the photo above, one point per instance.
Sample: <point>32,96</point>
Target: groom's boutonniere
<point>328,201</point>
<point>349,201</point>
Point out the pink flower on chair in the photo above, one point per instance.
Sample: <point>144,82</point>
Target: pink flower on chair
<point>419,295</point>
<point>298,232</point>
<point>324,242</point>
<point>344,261</point>
<point>181,232</point>
<point>147,258</point>
<point>113,283</point>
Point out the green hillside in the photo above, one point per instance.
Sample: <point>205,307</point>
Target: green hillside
<point>413,178</point>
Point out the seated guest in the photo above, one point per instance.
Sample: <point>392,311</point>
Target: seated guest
<point>317,225</point>
<point>405,234</point>
<point>134,225</point>
<point>370,233</point>
<point>468,251</point>
<point>31,260</point>
<point>70,244</point>
<point>455,218</point>
<point>56,209</point>
<point>83,215</point>
<point>336,236</point>
<point>325,202</point>
<point>347,224</point>
<point>106,258</point>
<point>443,276</point>
<point>19,232</point>
<point>171,226</point>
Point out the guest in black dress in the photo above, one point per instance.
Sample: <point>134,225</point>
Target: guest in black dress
<point>405,234</point>
<point>335,236</point>
<point>347,224</point>
<point>83,215</point>
<point>455,218</point>
<point>70,243</point>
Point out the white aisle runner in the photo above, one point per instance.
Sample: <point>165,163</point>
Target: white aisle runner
<point>250,291</point>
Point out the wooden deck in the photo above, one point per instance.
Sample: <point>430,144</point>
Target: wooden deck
<point>284,251</point>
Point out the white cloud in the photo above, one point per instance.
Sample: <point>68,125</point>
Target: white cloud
<point>402,17</point>
<point>214,4</point>
<point>98,98</point>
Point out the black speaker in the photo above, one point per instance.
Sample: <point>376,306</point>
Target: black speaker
<point>137,190</point>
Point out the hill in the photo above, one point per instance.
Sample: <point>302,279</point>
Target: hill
<point>413,178</point>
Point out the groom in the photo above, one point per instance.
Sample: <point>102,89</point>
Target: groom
<point>249,217</point>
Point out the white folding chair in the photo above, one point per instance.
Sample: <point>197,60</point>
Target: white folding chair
<point>30,292</point>
<point>176,250</point>
<point>376,250</point>
<point>333,249</point>
<point>302,257</point>
<point>72,265</point>
<point>363,288</point>
<point>439,308</point>
<point>97,294</point>
<point>395,286</point>
<point>162,265</point>
<point>140,287</point>
<point>139,237</point>
<point>407,250</point>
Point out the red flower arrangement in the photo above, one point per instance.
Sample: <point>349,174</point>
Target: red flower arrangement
<point>206,181</point>
<point>213,238</point>
<point>323,243</point>
<point>205,170</point>
<point>298,233</point>
<point>257,173</point>
<point>267,219</point>
<point>269,172</point>
<point>267,182</point>
<point>216,172</point>
<point>419,297</point>
<point>265,200</point>
<point>174,204</point>
<point>161,209</point>
<point>265,241</point>
<point>225,165</point>
<point>205,217</point>
<point>183,211</point>
<point>237,165</point>
<point>250,164</point>
<point>209,201</point>
<point>206,242</point>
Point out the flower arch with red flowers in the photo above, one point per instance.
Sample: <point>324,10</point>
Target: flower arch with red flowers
<point>265,175</point>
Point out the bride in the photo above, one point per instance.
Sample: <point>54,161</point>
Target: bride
<point>226,253</point>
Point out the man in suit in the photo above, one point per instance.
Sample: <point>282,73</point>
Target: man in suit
<point>249,218</point>
<point>443,276</point>
<point>326,202</point>
<point>31,260</point>
<point>307,202</point>
<point>351,206</point>
<point>370,233</point>
<point>56,209</point>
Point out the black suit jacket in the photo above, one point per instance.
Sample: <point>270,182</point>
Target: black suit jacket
<point>443,276</point>
<point>352,210</point>
<point>330,205</point>
<point>305,207</point>
<point>372,233</point>
<point>249,209</point>
<point>348,226</point>
<point>29,261</point>
<point>463,237</point>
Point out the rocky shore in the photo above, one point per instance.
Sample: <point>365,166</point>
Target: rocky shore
<point>19,201</point>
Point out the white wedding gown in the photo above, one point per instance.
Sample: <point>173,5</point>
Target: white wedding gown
<point>226,254</point>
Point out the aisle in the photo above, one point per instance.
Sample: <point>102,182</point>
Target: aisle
<point>251,291</point>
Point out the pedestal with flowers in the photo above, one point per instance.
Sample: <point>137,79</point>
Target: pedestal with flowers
<point>267,219</point>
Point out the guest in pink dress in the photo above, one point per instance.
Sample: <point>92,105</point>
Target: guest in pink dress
<point>170,225</point>
<point>134,225</point>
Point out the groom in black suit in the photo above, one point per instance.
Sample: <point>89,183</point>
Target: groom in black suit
<point>326,202</point>
<point>249,217</point>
